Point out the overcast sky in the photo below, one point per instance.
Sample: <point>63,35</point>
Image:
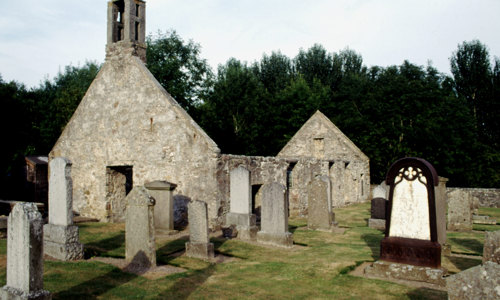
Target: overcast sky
<point>40,37</point>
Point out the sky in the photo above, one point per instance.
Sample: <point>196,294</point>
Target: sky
<point>39,38</point>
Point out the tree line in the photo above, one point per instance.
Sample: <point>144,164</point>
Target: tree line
<point>255,108</point>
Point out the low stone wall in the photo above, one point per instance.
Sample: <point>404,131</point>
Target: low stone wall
<point>486,197</point>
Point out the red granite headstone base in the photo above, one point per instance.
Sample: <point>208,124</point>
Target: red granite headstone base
<point>411,251</point>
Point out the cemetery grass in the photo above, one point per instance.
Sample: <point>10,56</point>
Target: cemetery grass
<point>317,267</point>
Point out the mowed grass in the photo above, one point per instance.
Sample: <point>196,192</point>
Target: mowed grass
<point>317,268</point>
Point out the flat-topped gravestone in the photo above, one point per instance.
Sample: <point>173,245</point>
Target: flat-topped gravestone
<point>140,248</point>
<point>274,217</point>
<point>199,245</point>
<point>60,192</point>
<point>320,215</point>
<point>460,208</point>
<point>162,192</point>
<point>240,208</point>
<point>25,255</point>
<point>491,249</point>
<point>61,237</point>
<point>410,248</point>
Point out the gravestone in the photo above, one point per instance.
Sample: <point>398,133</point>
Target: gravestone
<point>199,245</point>
<point>140,248</point>
<point>480,282</point>
<point>61,237</point>
<point>441,209</point>
<point>162,192</point>
<point>25,255</point>
<point>460,207</point>
<point>377,213</point>
<point>411,236</point>
<point>491,249</point>
<point>380,191</point>
<point>274,217</point>
<point>319,208</point>
<point>240,209</point>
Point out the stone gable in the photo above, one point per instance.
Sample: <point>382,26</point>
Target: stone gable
<point>128,123</point>
<point>321,139</point>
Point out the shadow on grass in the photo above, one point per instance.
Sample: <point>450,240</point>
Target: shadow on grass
<point>187,283</point>
<point>464,263</point>
<point>427,294</point>
<point>102,247</point>
<point>91,289</point>
<point>469,244</point>
<point>373,241</point>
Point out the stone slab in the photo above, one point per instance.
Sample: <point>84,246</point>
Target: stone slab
<point>381,191</point>
<point>200,250</point>
<point>198,222</point>
<point>479,282</point>
<point>411,251</point>
<point>377,224</point>
<point>383,269</point>
<point>247,233</point>
<point>491,249</point>
<point>62,242</point>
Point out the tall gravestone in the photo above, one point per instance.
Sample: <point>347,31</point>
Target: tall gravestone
<point>319,206</point>
<point>199,245</point>
<point>25,255</point>
<point>274,217</point>
<point>61,237</point>
<point>240,208</point>
<point>410,249</point>
<point>140,248</point>
<point>162,192</point>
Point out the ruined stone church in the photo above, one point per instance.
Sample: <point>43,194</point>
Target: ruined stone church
<point>128,131</point>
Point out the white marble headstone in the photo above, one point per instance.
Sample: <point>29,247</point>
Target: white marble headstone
<point>410,206</point>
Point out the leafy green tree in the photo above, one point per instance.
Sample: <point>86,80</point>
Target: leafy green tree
<point>178,67</point>
<point>470,66</point>
<point>317,63</point>
<point>234,109</point>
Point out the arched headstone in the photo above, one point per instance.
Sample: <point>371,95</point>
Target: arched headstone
<point>411,235</point>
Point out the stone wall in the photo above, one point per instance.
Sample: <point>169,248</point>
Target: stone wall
<point>262,170</point>
<point>486,197</point>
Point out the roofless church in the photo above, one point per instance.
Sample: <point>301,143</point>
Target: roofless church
<point>128,130</point>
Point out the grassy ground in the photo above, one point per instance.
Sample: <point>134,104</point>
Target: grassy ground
<point>317,269</point>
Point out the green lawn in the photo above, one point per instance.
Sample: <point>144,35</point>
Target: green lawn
<point>316,269</point>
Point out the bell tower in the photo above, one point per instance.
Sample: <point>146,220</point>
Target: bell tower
<point>126,28</point>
